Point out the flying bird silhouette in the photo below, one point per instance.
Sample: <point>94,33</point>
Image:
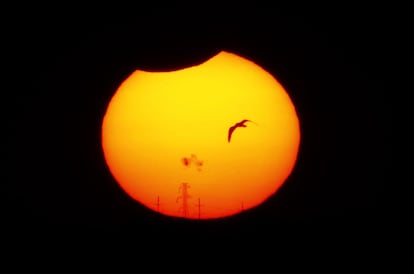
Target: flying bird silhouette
<point>239,124</point>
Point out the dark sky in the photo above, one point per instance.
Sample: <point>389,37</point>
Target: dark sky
<point>65,69</point>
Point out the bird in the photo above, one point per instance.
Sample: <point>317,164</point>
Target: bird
<point>239,124</point>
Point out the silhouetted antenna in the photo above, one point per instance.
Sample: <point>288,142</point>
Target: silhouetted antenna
<point>184,196</point>
<point>242,206</point>
<point>199,205</point>
<point>158,203</point>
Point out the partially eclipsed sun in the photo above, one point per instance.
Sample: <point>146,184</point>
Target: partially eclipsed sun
<point>168,139</point>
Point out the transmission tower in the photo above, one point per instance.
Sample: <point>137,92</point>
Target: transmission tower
<point>184,198</point>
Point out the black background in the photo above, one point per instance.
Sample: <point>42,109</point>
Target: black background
<point>64,68</point>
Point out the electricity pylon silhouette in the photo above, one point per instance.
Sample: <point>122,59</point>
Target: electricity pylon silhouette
<point>199,205</point>
<point>184,197</point>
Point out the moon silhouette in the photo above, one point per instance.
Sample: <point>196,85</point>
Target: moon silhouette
<point>169,143</point>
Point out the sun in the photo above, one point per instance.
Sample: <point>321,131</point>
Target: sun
<point>168,140</point>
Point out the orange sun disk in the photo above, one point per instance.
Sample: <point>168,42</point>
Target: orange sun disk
<point>165,138</point>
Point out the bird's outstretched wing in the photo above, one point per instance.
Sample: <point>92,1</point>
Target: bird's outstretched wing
<point>231,129</point>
